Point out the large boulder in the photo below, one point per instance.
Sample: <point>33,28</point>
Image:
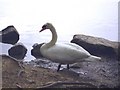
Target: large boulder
<point>97,46</point>
<point>36,50</point>
<point>9,35</point>
<point>18,51</point>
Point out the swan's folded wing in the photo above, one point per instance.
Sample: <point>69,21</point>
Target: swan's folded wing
<point>67,52</point>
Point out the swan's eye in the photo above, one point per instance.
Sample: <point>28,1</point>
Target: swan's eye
<point>44,26</point>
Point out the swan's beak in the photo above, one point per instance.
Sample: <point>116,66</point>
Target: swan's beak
<point>41,30</point>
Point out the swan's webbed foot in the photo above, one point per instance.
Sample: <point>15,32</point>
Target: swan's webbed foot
<point>59,66</point>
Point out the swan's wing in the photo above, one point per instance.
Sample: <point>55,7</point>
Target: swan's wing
<point>66,52</point>
<point>75,46</point>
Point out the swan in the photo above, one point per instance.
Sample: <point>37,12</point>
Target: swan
<point>66,53</point>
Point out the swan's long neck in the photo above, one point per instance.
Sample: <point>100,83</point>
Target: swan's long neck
<point>54,37</point>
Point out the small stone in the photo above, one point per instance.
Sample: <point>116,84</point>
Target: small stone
<point>18,51</point>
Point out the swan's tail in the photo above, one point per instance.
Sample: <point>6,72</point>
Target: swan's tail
<point>93,58</point>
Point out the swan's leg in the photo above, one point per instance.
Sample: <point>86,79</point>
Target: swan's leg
<point>58,67</point>
<point>68,67</point>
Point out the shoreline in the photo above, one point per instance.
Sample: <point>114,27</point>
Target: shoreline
<point>40,77</point>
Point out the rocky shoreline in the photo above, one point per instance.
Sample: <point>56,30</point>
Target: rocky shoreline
<point>87,75</point>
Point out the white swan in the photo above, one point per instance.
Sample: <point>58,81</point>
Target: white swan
<point>68,53</point>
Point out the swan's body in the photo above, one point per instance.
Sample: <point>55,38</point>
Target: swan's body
<point>67,53</point>
<point>64,53</point>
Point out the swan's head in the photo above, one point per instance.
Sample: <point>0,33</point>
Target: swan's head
<point>46,26</point>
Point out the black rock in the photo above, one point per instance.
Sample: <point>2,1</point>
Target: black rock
<point>97,46</point>
<point>36,50</point>
<point>9,35</point>
<point>18,51</point>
